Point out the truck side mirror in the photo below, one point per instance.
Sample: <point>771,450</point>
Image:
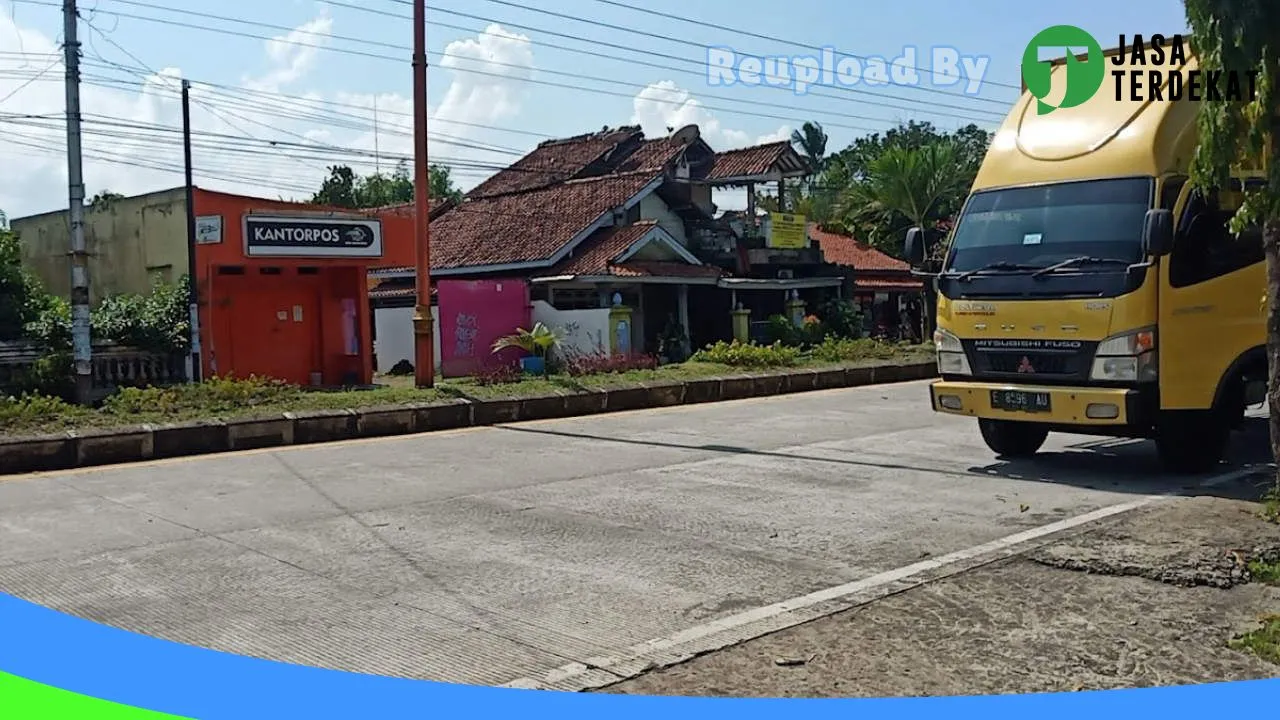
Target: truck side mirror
<point>914,246</point>
<point>1157,233</point>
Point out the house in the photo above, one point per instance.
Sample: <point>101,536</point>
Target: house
<point>883,285</point>
<point>282,286</point>
<point>613,218</point>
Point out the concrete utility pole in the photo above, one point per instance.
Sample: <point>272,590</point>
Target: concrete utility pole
<point>193,287</point>
<point>424,356</point>
<point>81,342</point>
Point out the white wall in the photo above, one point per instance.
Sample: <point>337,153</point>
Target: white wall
<point>394,327</point>
<point>582,331</point>
<point>653,208</point>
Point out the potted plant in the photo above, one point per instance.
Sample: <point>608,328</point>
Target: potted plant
<point>536,343</point>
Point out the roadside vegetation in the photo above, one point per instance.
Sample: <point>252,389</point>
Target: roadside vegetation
<point>231,398</point>
<point>1264,641</point>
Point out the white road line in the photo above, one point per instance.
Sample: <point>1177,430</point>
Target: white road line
<point>734,629</point>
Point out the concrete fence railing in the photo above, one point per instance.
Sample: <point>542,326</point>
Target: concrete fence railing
<point>113,366</point>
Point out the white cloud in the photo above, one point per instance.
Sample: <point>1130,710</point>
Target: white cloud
<point>34,154</point>
<point>293,55</point>
<point>665,104</point>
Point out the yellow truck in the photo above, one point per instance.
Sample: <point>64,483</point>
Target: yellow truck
<point>1086,286</point>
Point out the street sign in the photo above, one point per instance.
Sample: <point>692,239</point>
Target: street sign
<point>282,236</point>
<point>787,231</point>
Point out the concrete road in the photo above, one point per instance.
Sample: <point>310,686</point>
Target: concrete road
<point>491,554</point>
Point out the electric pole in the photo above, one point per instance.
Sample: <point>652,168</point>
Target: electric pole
<point>81,342</point>
<point>424,356</point>
<point>193,288</point>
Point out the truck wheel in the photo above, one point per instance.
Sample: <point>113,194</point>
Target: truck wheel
<point>1193,443</point>
<point>1011,439</point>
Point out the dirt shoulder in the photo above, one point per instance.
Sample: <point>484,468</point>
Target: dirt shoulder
<point>1153,598</point>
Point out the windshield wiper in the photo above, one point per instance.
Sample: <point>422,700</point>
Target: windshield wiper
<point>1081,260</point>
<point>968,274</point>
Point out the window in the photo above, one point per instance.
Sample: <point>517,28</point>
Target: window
<point>1044,224</point>
<point>1204,247</point>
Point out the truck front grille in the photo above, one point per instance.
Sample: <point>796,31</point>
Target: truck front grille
<point>1031,360</point>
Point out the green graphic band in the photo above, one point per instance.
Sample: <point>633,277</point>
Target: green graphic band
<point>22,699</point>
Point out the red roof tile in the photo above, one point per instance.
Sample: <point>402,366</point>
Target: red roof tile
<point>654,154</point>
<point>844,250</point>
<point>745,162</point>
<point>595,257</point>
<point>596,253</point>
<point>553,161</point>
<point>530,226</point>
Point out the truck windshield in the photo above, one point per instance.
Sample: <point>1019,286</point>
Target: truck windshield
<point>1035,227</point>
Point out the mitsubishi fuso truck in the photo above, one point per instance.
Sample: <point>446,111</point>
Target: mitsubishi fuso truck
<point>1087,287</point>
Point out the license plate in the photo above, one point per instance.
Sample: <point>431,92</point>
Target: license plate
<point>1020,400</point>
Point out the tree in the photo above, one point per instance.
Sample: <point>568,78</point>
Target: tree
<point>811,141</point>
<point>1243,37</point>
<point>905,188</point>
<point>22,297</point>
<point>345,188</point>
<point>851,167</point>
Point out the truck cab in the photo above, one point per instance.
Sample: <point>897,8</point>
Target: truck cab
<point>1087,287</point>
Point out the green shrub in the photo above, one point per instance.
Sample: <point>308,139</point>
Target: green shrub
<point>738,354</point>
<point>52,375</point>
<point>847,350</point>
<point>159,321</point>
<point>30,410</point>
<point>843,318</point>
<point>780,329</point>
<point>214,396</point>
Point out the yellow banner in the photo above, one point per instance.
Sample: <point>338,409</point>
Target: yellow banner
<point>787,231</point>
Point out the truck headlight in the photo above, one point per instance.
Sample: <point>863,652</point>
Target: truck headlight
<point>951,357</point>
<point>1128,357</point>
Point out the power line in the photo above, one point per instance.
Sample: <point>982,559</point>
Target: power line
<point>504,77</point>
<point>33,79</point>
<point>748,33</point>
<point>667,38</point>
<point>930,105</point>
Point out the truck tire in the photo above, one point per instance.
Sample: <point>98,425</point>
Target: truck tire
<point>1193,442</point>
<point>1011,439</point>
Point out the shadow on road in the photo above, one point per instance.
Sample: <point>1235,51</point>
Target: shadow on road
<point>1116,465</point>
<point>1125,465</point>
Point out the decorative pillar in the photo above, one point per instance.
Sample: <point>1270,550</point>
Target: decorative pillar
<point>682,305</point>
<point>741,324</point>
<point>619,327</point>
<point>795,309</point>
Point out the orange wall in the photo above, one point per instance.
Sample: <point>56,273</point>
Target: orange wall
<point>241,331</point>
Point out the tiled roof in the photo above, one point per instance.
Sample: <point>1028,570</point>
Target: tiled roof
<point>757,160</point>
<point>595,256</point>
<point>653,154</point>
<point>530,226</point>
<point>597,252</point>
<point>844,250</point>
<point>553,161</point>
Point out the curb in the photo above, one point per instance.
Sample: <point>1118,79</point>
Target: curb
<point>76,449</point>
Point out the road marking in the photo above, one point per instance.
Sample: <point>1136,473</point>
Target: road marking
<point>594,673</point>
<point>163,462</point>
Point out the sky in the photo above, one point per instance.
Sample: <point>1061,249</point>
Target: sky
<point>282,89</point>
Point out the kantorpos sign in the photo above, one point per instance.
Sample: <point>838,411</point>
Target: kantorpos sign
<point>276,236</point>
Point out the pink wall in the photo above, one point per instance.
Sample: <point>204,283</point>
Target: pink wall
<point>473,315</point>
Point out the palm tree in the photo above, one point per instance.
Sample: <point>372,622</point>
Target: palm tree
<point>913,186</point>
<point>907,187</point>
<point>811,141</point>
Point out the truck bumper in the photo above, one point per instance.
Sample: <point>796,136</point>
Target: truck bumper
<point>1106,407</point>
